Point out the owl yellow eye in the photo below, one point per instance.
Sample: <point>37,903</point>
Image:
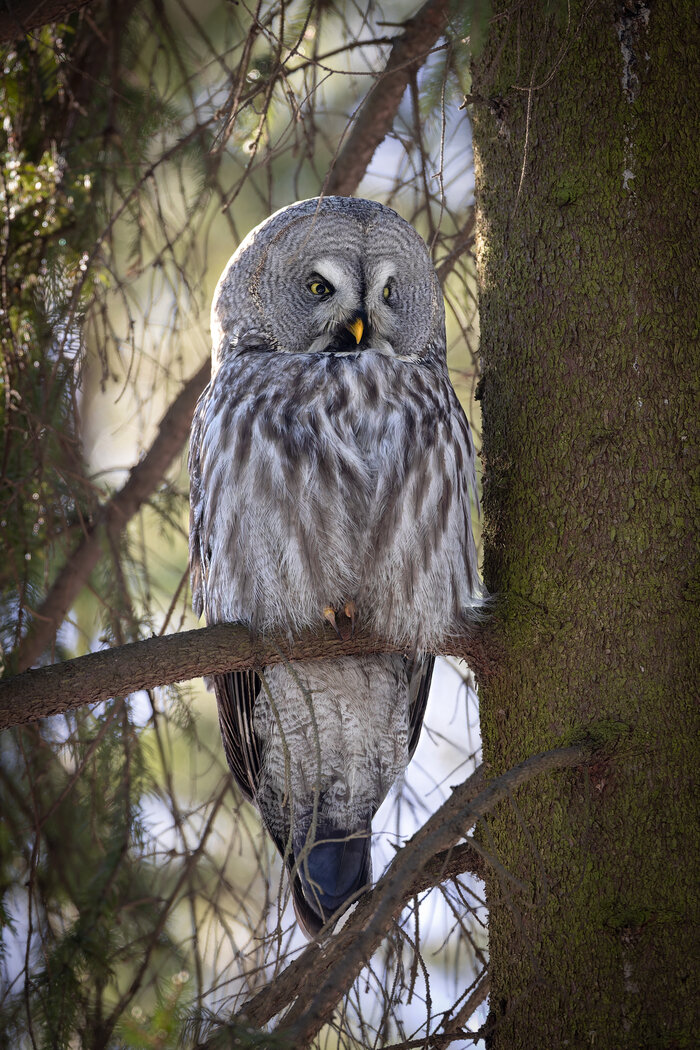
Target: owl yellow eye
<point>387,291</point>
<point>320,288</point>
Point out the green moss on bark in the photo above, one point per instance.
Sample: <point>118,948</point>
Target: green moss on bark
<point>586,157</point>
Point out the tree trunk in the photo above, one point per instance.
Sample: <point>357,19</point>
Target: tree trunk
<point>586,147</point>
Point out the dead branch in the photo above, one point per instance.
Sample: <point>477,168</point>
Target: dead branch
<point>371,127</point>
<point>333,974</point>
<point>180,657</point>
<point>463,242</point>
<point>141,483</point>
<point>376,116</point>
<point>453,1026</point>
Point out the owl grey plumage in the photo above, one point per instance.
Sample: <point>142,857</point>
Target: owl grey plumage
<point>331,463</point>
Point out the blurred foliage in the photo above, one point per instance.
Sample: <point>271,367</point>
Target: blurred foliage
<point>59,151</point>
<point>140,142</point>
<point>161,1029</point>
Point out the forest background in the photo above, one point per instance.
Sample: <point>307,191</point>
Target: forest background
<point>143,141</point>
<point>141,904</point>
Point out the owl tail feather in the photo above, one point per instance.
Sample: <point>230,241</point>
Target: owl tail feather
<point>330,875</point>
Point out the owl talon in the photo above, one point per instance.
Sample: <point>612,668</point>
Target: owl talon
<point>350,611</point>
<point>329,614</point>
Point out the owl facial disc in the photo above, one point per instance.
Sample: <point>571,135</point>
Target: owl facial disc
<point>302,282</point>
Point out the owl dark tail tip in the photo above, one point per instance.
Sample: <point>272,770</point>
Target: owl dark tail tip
<point>331,876</point>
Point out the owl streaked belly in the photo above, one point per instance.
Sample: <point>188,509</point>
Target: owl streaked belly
<point>338,502</point>
<point>316,745</point>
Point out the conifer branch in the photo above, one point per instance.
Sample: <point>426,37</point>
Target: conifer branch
<point>22,16</point>
<point>160,661</point>
<point>371,127</point>
<point>328,967</point>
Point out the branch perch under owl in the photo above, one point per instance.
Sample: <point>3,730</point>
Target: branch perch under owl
<point>154,662</point>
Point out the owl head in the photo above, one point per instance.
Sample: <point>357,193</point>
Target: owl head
<point>330,275</point>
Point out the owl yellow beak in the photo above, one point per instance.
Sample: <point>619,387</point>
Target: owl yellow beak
<point>357,328</point>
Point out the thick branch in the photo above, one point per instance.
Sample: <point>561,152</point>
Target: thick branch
<point>24,15</point>
<point>141,483</point>
<point>172,658</point>
<point>331,966</point>
<point>444,829</point>
<point>377,114</point>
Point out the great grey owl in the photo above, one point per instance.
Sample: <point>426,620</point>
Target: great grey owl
<point>332,468</point>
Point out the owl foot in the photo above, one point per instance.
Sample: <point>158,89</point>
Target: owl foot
<point>329,614</point>
<point>350,611</point>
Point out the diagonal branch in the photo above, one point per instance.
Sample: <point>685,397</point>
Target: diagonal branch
<point>172,658</point>
<point>463,242</point>
<point>479,993</point>
<point>377,113</point>
<point>142,481</point>
<point>330,966</point>
<point>333,974</point>
<point>453,1027</point>
<point>371,127</point>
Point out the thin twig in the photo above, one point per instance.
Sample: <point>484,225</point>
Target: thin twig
<point>328,967</point>
<point>26,15</point>
<point>376,116</point>
<point>451,822</point>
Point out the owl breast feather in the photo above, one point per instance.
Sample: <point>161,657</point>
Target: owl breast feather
<point>325,479</point>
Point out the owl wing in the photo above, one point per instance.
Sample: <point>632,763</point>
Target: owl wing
<point>420,675</point>
<point>196,505</point>
<point>236,693</point>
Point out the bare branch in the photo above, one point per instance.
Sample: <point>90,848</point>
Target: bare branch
<point>333,973</point>
<point>331,965</point>
<point>477,997</point>
<point>141,483</point>
<point>172,658</point>
<point>159,215</point>
<point>377,114</point>
<point>462,243</point>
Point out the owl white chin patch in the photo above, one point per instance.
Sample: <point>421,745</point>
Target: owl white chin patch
<point>378,346</point>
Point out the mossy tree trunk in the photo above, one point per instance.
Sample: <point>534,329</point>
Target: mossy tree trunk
<point>586,145</point>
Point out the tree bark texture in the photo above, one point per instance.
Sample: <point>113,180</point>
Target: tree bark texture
<point>586,152</point>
